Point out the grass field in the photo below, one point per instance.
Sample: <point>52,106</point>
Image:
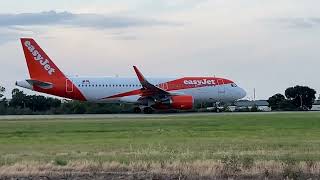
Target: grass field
<point>260,137</point>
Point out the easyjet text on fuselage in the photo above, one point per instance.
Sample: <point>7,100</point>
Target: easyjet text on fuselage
<point>199,82</point>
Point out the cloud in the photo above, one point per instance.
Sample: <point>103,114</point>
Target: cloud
<point>78,20</point>
<point>168,5</point>
<point>13,26</point>
<point>299,23</point>
<point>12,34</point>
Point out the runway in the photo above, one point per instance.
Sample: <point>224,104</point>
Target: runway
<point>103,116</point>
<point>134,116</point>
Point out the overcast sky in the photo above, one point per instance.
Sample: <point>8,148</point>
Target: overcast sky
<point>264,44</point>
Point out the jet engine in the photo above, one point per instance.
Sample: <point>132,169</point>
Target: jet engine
<point>179,102</point>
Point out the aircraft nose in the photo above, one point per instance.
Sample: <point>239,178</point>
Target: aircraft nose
<point>242,93</point>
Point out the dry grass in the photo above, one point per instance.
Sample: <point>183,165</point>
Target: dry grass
<point>196,168</point>
<point>259,145</point>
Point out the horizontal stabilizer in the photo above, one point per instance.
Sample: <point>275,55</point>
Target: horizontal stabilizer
<point>41,84</point>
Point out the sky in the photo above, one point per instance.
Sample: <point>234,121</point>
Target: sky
<point>268,45</point>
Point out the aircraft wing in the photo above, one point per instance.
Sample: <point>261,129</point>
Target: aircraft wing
<point>149,89</point>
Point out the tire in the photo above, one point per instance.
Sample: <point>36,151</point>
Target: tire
<point>137,110</point>
<point>148,110</point>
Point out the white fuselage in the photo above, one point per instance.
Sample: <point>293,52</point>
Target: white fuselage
<point>98,89</point>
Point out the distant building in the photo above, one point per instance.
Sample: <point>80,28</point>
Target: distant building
<point>262,105</point>
<point>316,105</point>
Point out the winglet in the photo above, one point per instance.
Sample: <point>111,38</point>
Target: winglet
<point>139,74</point>
<point>145,84</point>
<point>143,81</point>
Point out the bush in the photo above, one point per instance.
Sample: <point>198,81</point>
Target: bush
<point>19,111</point>
<point>60,162</point>
<point>254,109</point>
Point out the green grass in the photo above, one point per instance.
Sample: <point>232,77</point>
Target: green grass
<point>258,136</point>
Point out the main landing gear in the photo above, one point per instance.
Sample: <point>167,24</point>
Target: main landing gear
<point>137,110</point>
<point>146,110</point>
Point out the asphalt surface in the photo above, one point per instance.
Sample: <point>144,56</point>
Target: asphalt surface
<point>104,116</point>
<point>127,116</point>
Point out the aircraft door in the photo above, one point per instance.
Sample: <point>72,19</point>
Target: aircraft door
<point>69,86</point>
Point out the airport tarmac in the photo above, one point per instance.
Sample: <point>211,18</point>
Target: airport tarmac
<point>104,116</point>
<point>133,116</point>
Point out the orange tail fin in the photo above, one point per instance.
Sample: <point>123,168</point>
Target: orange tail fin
<point>45,76</point>
<point>39,64</point>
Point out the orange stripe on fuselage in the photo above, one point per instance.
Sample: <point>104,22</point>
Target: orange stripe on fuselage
<point>179,84</point>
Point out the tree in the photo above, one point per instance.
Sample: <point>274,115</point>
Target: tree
<point>33,102</point>
<point>2,90</point>
<point>301,96</point>
<point>276,101</point>
<point>3,101</point>
<point>18,99</point>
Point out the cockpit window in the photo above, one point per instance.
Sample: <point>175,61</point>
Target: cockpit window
<point>233,85</point>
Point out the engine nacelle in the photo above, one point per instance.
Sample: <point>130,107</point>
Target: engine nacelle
<point>179,102</point>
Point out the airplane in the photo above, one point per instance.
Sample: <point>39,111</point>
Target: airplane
<point>148,95</point>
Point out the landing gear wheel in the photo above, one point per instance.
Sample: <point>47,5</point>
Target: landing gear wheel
<point>137,110</point>
<point>148,110</point>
